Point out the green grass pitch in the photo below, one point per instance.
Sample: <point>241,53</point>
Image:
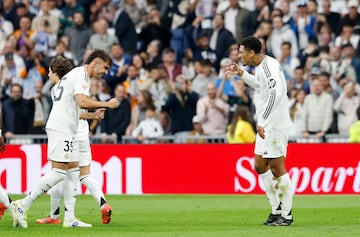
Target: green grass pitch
<point>198,216</point>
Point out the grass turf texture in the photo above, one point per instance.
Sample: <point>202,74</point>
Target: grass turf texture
<point>198,216</point>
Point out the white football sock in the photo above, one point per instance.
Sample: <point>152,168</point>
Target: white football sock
<point>70,192</point>
<point>287,191</point>
<point>56,194</point>
<point>4,198</point>
<point>94,188</point>
<point>45,183</point>
<point>271,192</point>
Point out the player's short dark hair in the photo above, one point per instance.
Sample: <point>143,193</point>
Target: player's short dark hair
<point>251,43</point>
<point>286,43</point>
<point>61,65</point>
<point>98,53</point>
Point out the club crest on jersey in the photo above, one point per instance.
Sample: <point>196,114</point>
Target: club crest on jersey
<point>271,83</point>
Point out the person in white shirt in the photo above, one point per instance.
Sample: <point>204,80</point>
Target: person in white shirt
<point>70,95</point>
<point>273,127</point>
<point>148,129</point>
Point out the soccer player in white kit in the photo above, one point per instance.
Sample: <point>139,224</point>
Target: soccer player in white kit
<point>273,127</point>
<point>70,94</point>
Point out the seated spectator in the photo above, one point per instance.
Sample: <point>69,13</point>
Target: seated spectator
<point>298,81</point>
<point>132,84</point>
<point>317,112</point>
<point>197,131</point>
<point>345,107</point>
<point>117,120</point>
<point>149,129</point>
<point>354,131</point>
<point>240,129</point>
<point>169,65</point>
<point>296,112</point>
<point>144,100</point>
<point>101,39</point>
<point>158,86</point>
<point>288,61</point>
<point>165,122</point>
<point>200,81</point>
<point>42,106</point>
<point>212,112</point>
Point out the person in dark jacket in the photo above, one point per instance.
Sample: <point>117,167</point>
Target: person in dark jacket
<point>18,113</point>
<point>181,105</point>
<point>117,120</point>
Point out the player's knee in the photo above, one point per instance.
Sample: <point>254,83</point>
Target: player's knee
<point>260,169</point>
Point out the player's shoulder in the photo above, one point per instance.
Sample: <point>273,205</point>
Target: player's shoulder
<point>271,61</point>
<point>76,72</point>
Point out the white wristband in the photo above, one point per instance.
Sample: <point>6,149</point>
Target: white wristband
<point>0,132</point>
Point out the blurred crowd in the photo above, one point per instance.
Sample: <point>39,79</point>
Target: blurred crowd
<point>169,59</point>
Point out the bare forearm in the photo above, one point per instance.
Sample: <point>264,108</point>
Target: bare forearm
<point>87,115</point>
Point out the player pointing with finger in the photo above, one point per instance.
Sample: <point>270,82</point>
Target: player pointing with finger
<point>273,127</point>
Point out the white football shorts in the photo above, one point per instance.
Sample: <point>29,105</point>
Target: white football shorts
<point>60,146</point>
<point>274,145</point>
<point>82,151</point>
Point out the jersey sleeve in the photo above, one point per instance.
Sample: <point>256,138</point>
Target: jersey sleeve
<point>275,85</point>
<point>82,84</point>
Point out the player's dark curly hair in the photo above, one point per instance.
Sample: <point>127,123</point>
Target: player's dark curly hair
<point>251,43</point>
<point>98,53</point>
<point>61,65</point>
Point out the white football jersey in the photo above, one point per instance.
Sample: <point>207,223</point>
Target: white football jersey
<point>270,97</point>
<point>65,113</point>
<point>83,129</point>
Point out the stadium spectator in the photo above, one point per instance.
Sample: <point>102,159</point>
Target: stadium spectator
<point>132,84</point>
<point>281,33</point>
<point>220,40</point>
<point>349,55</point>
<point>11,67</point>
<point>139,63</point>
<point>181,105</point>
<point>23,37</point>
<point>169,65</point>
<point>200,81</point>
<point>51,21</point>
<point>196,132</point>
<point>345,107</point>
<point>79,34</point>
<point>8,10</point>
<point>324,78</point>
<point>234,16</point>
<point>317,112</point>
<point>69,10</point>
<point>201,50</point>
<point>117,120</point>
<point>287,60</point>
<point>42,106</point>
<point>158,86</point>
<point>33,72</point>
<point>6,29</point>
<point>354,131</point>
<point>125,31</point>
<point>212,112</point>
<point>231,90</point>
<point>255,17</point>
<point>135,13</point>
<point>18,113</point>
<point>240,129</point>
<point>352,17</point>
<point>101,39</point>
<point>264,30</point>
<point>298,81</point>
<point>149,129</point>
<point>296,112</point>
<point>153,28</point>
<point>144,100</point>
<point>165,122</point>
<point>302,23</point>
<point>328,17</point>
<point>152,55</point>
<point>346,36</point>
<point>117,72</point>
